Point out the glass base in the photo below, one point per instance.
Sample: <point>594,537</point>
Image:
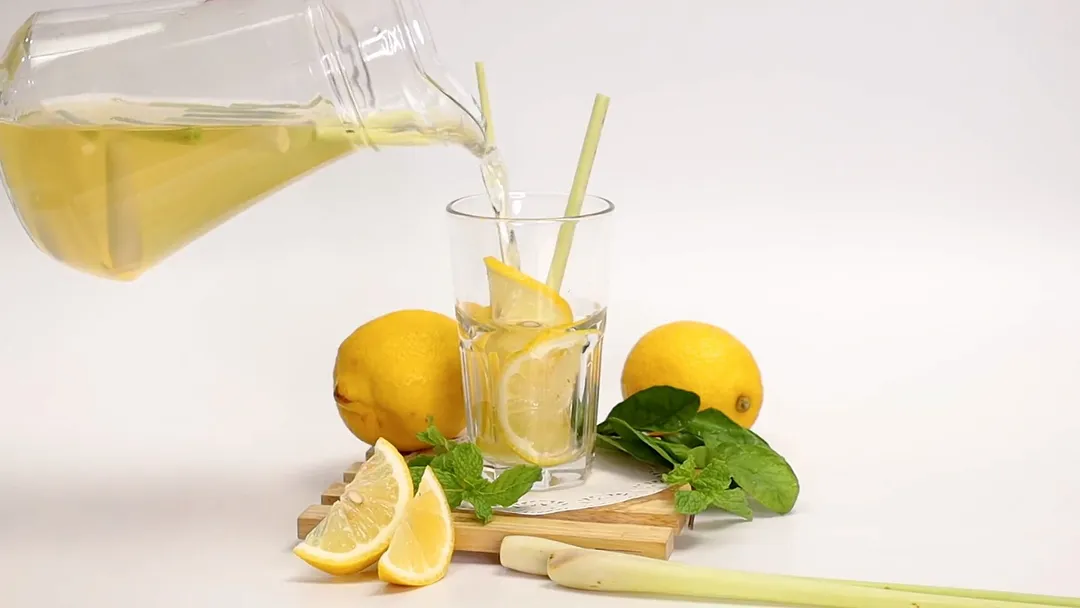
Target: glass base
<point>565,475</point>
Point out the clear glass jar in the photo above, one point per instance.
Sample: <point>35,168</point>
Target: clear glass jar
<point>128,131</point>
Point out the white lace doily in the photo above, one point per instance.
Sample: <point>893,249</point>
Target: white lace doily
<point>615,478</point>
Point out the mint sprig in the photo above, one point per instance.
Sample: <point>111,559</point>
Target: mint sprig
<point>710,487</point>
<point>459,467</point>
<point>723,464</point>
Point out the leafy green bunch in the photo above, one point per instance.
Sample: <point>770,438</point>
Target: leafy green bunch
<point>712,460</point>
<point>459,467</point>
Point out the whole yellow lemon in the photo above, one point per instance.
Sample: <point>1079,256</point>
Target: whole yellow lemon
<point>395,371</point>
<point>701,358</point>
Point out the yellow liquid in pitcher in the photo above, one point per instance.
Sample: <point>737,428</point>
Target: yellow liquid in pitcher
<point>113,197</point>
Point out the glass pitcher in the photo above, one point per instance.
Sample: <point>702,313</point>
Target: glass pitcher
<point>128,131</point>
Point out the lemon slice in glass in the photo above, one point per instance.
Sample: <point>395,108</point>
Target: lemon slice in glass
<point>537,388</point>
<point>360,525</point>
<point>477,314</point>
<point>423,544</point>
<point>517,298</point>
<point>484,364</point>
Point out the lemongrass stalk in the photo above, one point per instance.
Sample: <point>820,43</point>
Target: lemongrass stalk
<point>485,104</point>
<point>577,191</point>
<point>588,569</point>
<point>530,555</point>
<point>1000,596</point>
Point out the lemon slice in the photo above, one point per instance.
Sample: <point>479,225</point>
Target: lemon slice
<point>476,314</point>
<point>536,395</point>
<point>359,527</point>
<point>517,298</point>
<point>423,544</point>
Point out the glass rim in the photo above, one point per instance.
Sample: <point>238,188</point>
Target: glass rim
<point>608,208</point>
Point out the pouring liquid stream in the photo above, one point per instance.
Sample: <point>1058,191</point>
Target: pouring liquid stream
<point>495,177</point>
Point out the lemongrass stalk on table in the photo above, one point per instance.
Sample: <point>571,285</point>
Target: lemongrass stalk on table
<point>644,575</point>
<point>588,569</point>
<point>986,594</point>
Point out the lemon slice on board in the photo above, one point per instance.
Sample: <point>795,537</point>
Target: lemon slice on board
<point>536,396</point>
<point>517,298</point>
<point>360,525</point>
<point>423,544</point>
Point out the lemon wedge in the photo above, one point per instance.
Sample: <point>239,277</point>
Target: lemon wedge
<point>536,394</point>
<point>423,544</point>
<point>360,525</point>
<point>517,298</point>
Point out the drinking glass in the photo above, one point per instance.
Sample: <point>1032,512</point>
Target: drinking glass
<point>532,329</point>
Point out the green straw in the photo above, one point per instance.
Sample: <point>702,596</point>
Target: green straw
<point>485,103</point>
<point>577,191</point>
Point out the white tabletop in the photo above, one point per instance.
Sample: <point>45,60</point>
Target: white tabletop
<point>881,199</point>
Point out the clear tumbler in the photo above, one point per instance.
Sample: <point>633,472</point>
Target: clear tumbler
<point>532,329</point>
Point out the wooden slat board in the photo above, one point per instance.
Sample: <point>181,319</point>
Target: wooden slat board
<point>644,526</point>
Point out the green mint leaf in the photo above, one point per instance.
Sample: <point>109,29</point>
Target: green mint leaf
<point>639,444</point>
<point>686,438</point>
<point>691,502</point>
<point>764,475</point>
<point>467,463</point>
<point>732,501</point>
<point>635,448</point>
<point>677,451</point>
<point>421,460</point>
<point>682,474</point>
<point>483,511</point>
<point>701,456</point>
<point>715,477</point>
<point>512,484</point>
<point>506,490</point>
<point>613,443</point>
<point>459,468</point>
<point>442,461</point>
<point>432,436</point>
<point>714,426</point>
<point>451,486</point>
<point>660,408</point>
<point>417,474</point>
<point>714,447</point>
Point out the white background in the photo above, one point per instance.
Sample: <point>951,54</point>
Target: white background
<point>881,199</point>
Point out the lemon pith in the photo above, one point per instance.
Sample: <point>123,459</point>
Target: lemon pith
<point>360,524</point>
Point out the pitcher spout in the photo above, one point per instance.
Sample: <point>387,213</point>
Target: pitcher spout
<point>385,73</point>
<point>432,68</point>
